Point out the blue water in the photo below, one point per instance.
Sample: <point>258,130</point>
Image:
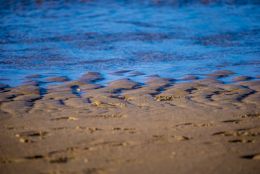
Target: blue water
<point>168,38</point>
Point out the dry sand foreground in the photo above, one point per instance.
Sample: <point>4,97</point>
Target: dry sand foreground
<point>203,126</point>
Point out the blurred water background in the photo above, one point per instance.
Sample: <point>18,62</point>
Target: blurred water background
<point>171,38</point>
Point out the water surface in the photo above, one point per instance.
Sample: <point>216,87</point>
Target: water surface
<point>168,38</point>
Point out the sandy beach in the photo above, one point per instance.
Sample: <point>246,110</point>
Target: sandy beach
<point>196,126</point>
<point>130,87</point>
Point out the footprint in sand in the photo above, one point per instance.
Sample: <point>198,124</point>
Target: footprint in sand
<point>89,129</point>
<point>64,118</point>
<point>112,116</point>
<point>63,155</point>
<point>252,156</point>
<point>50,159</point>
<point>195,124</point>
<point>162,138</point>
<point>60,128</point>
<point>232,121</point>
<point>34,157</point>
<point>19,160</point>
<point>248,132</point>
<point>60,156</point>
<point>181,138</point>
<point>257,115</point>
<point>63,159</point>
<point>128,130</point>
<point>184,124</point>
<point>241,141</point>
<point>103,144</point>
<point>31,136</point>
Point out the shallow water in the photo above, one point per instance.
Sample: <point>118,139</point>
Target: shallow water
<point>168,38</point>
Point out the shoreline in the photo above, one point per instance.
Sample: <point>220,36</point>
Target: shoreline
<point>201,126</point>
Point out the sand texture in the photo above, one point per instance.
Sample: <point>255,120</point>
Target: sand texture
<point>161,127</point>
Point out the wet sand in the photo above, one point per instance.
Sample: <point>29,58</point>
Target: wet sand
<point>198,126</point>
